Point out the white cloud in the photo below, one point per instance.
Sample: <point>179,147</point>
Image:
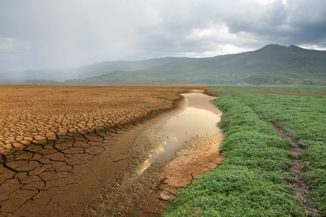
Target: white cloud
<point>73,33</point>
<point>12,47</point>
<point>215,51</point>
<point>269,2</point>
<point>313,46</point>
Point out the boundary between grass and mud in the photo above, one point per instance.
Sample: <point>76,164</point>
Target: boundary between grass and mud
<point>255,175</point>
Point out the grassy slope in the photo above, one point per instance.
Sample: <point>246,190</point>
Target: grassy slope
<point>253,181</point>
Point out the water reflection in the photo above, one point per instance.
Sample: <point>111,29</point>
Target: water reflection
<point>198,117</point>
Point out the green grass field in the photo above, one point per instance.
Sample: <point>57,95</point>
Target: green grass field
<point>304,118</point>
<point>285,90</point>
<point>253,180</point>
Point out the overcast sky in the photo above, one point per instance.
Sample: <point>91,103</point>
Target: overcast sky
<point>68,33</point>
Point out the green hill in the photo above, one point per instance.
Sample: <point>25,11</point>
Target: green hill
<point>272,64</point>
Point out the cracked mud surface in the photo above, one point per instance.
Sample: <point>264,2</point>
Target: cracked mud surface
<point>37,115</point>
<point>59,143</point>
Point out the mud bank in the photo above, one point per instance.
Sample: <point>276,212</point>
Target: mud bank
<point>198,154</point>
<point>196,118</point>
<point>178,147</point>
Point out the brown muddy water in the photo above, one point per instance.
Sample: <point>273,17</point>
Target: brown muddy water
<point>178,147</point>
<point>197,118</point>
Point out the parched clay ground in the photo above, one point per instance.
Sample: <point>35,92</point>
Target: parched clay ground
<point>37,115</point>
<point>58,144</point>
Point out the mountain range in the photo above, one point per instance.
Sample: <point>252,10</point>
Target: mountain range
<point>272,64</point>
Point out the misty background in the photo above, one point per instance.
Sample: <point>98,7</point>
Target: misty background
<point>58,36</point>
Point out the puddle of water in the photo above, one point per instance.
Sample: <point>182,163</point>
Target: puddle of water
<point>197,118</point>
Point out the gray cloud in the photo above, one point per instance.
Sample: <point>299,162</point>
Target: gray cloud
<point>60,33</point>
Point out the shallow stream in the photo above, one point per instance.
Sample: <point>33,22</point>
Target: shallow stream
<point>196,118</point>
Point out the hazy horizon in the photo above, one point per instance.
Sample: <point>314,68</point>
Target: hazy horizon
<point>153,58</point>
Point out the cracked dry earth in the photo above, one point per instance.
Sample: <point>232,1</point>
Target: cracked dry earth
<point>49,137</point>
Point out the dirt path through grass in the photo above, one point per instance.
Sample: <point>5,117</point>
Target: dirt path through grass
<point>300,188</point>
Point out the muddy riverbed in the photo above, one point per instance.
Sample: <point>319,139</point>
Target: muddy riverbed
<point>196,118</point>
<point>135,171</point>
<point>178,148</point>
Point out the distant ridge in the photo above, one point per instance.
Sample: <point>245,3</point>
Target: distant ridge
<point>271,64</point>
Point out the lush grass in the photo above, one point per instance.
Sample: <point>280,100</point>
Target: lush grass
<point>316,176</point>
<point>303,117</point>
<point>286,90</point>
<point>252,179</point>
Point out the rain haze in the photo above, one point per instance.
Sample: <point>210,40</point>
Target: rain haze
<point>38,34</point>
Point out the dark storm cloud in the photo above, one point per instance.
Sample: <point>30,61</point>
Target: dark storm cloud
<point>60,33</point>
<point>293,21</point>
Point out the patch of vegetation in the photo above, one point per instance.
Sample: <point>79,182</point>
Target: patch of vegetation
<point>303,117</point>
<point>279,90</point>
<point>316,176</point>
<point>252,180</point>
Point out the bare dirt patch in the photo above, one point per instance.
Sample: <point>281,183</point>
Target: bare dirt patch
<point>38,115</point>
<point>58,145</point>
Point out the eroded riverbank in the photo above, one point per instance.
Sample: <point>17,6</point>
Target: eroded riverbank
<point>181,146</point>
<point>196,152</point>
